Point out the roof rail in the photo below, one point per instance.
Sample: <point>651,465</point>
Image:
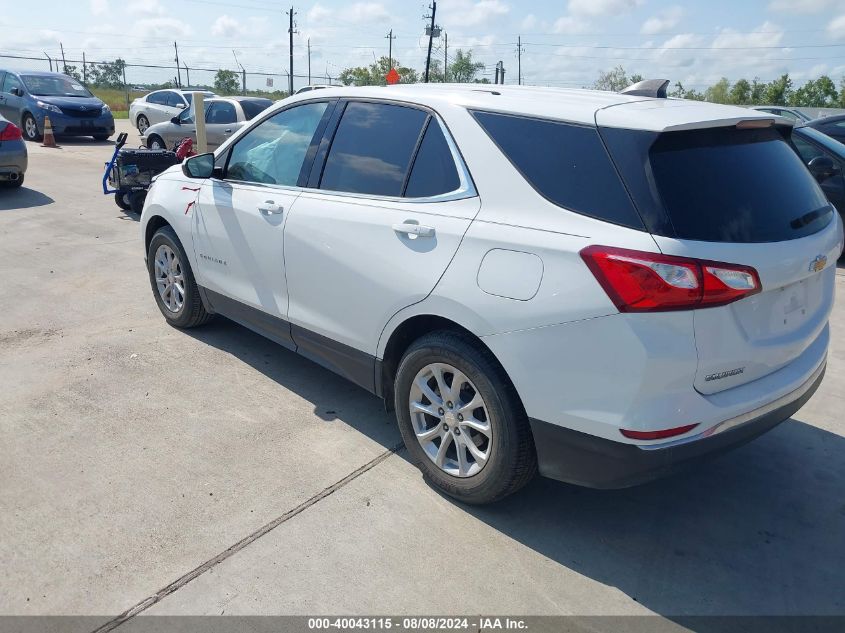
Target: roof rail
<point>648,88</point>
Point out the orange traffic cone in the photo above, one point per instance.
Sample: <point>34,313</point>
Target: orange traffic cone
<point>49,139</point>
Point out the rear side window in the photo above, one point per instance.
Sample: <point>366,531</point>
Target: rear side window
<point>174,100</point>
<point>730,185</point>
<point>434,172</point>
<point>565,163</point>
<point>372,149</point>
<point>253,108</point>
<point>221,112</point>
<point>159,98</point>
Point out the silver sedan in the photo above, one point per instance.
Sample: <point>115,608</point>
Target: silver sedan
<point>13,156</point>
<point>223,117</point>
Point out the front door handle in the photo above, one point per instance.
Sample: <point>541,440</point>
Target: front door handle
<point>271,208</point>
<point>227,131</point>
<point>417,230</point>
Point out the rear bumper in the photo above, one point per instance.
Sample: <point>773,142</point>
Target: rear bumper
<point>13,159</point>
<point>596,462</point>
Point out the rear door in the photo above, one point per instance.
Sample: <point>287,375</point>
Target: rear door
<point>743,196</point>
<point>220,120</point>
<point>832,184</point>
<point>374,231</point>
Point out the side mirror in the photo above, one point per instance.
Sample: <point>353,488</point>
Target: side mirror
<point>17,92</point>
<point>176,120</point>
<point>201,166</point>
<point>822,167</point>
<point>182,106</point>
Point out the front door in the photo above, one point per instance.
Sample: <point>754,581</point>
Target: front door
<point>240,219</point>
<point>11,106</point>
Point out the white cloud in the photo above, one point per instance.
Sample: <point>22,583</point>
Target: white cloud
<point>801,6</point>
<point>145,8</point>
<point>162,27</point>
<point>602,8</point>
<point>664,21</point>
<point>361,12</point>
<point>836,28</point>
<point>568,25</point>
<point>529,22</point>
<point>470,13</point>
<point>767,34</point>
<point>317,13</point>
<point>224,26</point>
<point>99,7</point>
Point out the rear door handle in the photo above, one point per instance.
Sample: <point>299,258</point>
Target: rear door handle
<point>227,131</point>
<point>414,229</point>
<point>271,208</point>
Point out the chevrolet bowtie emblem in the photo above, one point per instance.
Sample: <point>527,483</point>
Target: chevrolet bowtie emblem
<point>818,264</point>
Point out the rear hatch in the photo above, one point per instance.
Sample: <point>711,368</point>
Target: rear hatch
<point>736,192</point>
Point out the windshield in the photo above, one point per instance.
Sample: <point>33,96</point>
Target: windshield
<point>47,86</point>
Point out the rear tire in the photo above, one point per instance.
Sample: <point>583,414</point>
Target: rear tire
<point>13,184</point>
<point>142,123</point>
<point>122,200</point>
<point>501,459</point>
<point>181,308</point>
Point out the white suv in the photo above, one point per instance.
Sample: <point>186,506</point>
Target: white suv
<point>595,285</point>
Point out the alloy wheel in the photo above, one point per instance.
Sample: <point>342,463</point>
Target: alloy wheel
<point>30,127</point>
<point>170,279</point>
<point>450,420</point>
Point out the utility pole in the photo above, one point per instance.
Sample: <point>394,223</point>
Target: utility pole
<point>290,70</point>
<point>519,59</point>
<point>445,58</point>
<point>178,71</point>
<point>64,65</point>
<point>187,75</point>
<point>390,37</point>
<point>243,73</point>
<point>496,80</point>
<point>430,38</point>
<point>309,61</point>
<point>84,69</point>
<point>49,59</point>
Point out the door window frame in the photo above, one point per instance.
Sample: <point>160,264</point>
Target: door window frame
<point>466,188</point>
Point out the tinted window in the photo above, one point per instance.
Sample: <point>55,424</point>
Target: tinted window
<point>806,150</point>
<point>372,149</point>
<point>221,112</point>
<point>174,100</point>
<point>253,108</point>
<point>159,98</point>
<point>730,185</point>
<point>565,163</point>
<point>274,150</point>
<point>434,169</point>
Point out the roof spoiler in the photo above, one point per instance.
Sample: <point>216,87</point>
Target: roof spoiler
<point>648,88</point>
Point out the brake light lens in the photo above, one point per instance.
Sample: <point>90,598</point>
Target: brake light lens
<point>638,281</point>
<point>10,133</point>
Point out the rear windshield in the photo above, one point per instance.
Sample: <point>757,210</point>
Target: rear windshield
<point>720,184</point>
<point>254,108</point>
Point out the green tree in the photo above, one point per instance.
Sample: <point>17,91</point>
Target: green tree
<point>636,78</point>
<point>435,72</point>
<point>682,93</point>
<point>741,93</point>
<point>816,93</point>
<point>758,92</point>
<point>613,80</point>
<point>779,91</point>
<point>463,69</point>
<point>374,74</point>
<point>226,82</point>
<point>107,74</point>
<point>72,71</point>
<point>719,92</point>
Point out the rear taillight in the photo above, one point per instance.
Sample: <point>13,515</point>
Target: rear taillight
<point>662,434</point>
<point>637,281</point>
<point>10,133</point>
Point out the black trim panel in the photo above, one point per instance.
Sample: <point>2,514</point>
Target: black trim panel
<point>595,462</point>
<point>348,362</point>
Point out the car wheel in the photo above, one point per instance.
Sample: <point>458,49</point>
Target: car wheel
<point>101,137</point>
<point>172,280</point>
<point>30,128</point>
<point>136,201</point>
<point>143,123</point>
<point>461,419</point>
<point>122,200</point>
<point>155,142</point>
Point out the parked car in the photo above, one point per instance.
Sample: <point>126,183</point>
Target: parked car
<point>223,117</point>
<point>27,97</point>
<point>833,126</point>
<point>581,283</point>
<point>789,113</point>
<point>160,106</point>
<point>13,155</point>
<point>825,158</point>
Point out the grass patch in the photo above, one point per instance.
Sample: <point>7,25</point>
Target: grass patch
<point>116,99</point>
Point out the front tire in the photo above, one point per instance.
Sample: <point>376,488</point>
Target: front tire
<point>122,200</point>
<point>172,280</point>
<point>155,142</point>
<point>461,419</point>
<point>29,127</point>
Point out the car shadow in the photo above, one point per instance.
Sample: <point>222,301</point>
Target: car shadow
<point>22,198</point>
<point>758,531</point>
<point>334,399</point>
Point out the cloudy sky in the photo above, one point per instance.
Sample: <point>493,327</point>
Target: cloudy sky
<point>565,42</point>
